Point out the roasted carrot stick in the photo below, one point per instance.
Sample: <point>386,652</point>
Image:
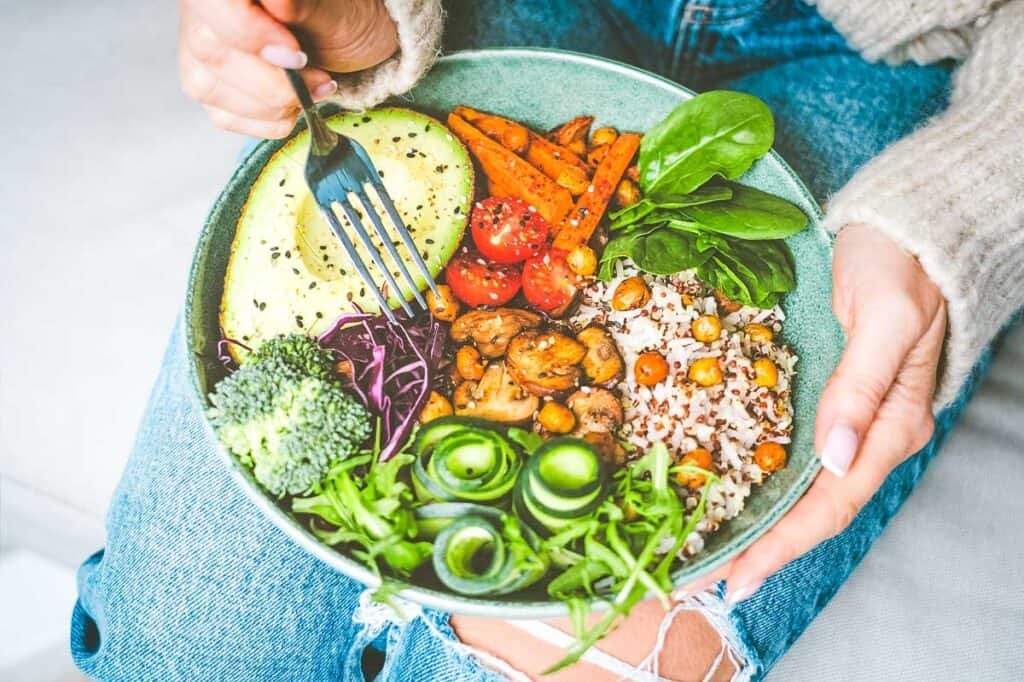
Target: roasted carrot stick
<point>559,164</point>
<point>581,223</point>
<point>508,171</point>
<point>510,134</point>
<point>573,134</point>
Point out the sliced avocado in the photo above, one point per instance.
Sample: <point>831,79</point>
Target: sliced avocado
<point>288,271</point>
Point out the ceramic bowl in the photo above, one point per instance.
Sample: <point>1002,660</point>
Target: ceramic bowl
<point>543,88</point>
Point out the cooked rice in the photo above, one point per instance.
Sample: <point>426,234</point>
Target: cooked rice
<point>730,419</point>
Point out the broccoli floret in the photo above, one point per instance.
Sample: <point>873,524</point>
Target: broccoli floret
<point>283,414</point>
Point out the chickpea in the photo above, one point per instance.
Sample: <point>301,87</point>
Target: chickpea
<point>706,371</point>
<point>437,406</point>
<point>596,155</point>
<point>444,307</point>
<point>765,373</point>
<point>582,260</point>
<point>758,333</point>
<point>632,293</point>
<point>344,367</point>
<point>627,193</point>
<point>650,368</point>
<point>603,136</point>
<point>699,458</point>
<point>706,328</point>
<point>471,365</point>
<point>770,456</point>
<point>556,418</point>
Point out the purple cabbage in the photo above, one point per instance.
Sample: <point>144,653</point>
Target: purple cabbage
<point>392,367</point>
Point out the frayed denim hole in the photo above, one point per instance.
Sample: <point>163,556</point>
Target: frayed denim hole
<point>85,635</point>
<point>372,662</point>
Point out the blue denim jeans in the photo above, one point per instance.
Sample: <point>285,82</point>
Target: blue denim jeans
<point>196,585</point>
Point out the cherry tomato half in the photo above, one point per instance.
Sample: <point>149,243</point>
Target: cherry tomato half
<point>475,280</point>
<point>508,230</point>
<point>549,284</point>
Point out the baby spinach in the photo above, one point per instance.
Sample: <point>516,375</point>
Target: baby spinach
<point>755,274</point>
<point>750,214</point>
<point>715,133</point>
<point>632,214</point>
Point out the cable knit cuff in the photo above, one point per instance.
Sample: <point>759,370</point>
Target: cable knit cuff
<point>420,24</point>
<point>952,194</point>
<point>904,30</point>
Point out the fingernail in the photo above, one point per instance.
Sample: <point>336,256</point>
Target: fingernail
<point>325,90</point>
<point>734,597</point>
<point>285,57</point>
<point>840,447</point>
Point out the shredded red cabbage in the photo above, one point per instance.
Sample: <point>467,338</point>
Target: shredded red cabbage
<point>392,367</point>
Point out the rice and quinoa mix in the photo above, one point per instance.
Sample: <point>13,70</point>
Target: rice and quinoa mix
<point>729,419</point>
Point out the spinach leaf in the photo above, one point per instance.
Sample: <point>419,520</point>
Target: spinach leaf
<point>755,273</point>
<point>637,212</point>
<point>750,214</point>
<point>619,247</point>
<point>667,251</point>
<point>715,133</point>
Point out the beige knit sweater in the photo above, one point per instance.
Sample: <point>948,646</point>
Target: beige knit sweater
<point>952,193</point>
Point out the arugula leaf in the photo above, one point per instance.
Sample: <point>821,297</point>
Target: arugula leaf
<point>749,213</point>
<point>715,133</point>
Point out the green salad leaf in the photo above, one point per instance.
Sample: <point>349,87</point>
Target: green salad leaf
<point>716,133</point>
<point>684,222</point>
<point>749,214</point>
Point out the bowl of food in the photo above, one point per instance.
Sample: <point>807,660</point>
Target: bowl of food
<point>614,389</point>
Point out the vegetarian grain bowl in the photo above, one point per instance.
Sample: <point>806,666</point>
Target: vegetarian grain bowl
<point>604,384</point>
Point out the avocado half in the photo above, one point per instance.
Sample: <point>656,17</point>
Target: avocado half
<point>288,272</point>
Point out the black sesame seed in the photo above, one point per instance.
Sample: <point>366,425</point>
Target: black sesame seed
<point>275,255</point>
<point>287,254</point>
<point>290,196</point>
<point>428,240</point>
<point>366,119</point>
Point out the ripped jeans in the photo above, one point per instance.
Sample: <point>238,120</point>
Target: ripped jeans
<point>196,585</point>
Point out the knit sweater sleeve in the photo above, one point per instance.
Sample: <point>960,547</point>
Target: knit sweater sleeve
<point>420,23</point>
<point>952,193</point>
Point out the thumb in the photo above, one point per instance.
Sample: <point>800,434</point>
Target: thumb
<point>873,357</point>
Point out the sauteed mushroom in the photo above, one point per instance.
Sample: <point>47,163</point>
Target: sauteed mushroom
<point>491,330</point>
<point>545,362</point>
<point>496,397</point>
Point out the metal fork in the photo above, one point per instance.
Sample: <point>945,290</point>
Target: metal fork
<point>337,167</point>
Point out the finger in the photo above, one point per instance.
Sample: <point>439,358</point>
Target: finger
<point>247,86</point>
<point>270,130</point>
<point>875,352</point>
<point>244,25</point>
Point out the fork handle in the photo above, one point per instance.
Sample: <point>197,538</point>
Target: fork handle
<point>323,138</point>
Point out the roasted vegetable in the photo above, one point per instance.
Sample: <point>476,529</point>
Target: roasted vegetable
<point>518,177</point>
<point>583,220</point>
<point>491,330</point>
<point>545,362</point>
<point>602,363</point>
<point>573,134</point>
<point>496,397</point>
<point>512,135</point>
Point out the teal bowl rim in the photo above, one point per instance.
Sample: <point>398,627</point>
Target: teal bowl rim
<point>450,601</point>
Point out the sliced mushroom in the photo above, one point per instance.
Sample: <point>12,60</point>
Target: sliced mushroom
<point>496,397</point>
<point>545,362</point>
<point>491,330</point>
<point>602,363</point>
<point>598,418</point>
